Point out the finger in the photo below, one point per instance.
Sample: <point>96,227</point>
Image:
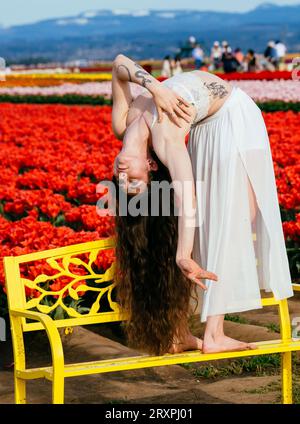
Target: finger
<point>174,118</point>
<point>196,279</point>
<point>199,282</point>
<point>212,276</point>
<point>252,346</point>
<point>160,114</point>
<point>208,275</point>
<point>185,102</point>
<point>187,111</point>
<point>184,108</point>
<point>182,114</point>
<point>192,275</point>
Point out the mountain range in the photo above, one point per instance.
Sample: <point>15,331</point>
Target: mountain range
<point>145,34</point>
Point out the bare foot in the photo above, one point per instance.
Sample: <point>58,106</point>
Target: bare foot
<point>189,343</point>
<point>225,344</point>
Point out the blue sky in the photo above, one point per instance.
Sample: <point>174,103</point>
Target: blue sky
<point>23,11</point>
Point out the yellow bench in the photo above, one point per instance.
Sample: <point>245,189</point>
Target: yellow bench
<point>61,260</point>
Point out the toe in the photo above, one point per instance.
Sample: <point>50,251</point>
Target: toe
<point>252,346</point>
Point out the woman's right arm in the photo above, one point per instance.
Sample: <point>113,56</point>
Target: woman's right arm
<point>169,145</point>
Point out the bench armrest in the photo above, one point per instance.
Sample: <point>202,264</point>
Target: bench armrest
<point>52,333</point>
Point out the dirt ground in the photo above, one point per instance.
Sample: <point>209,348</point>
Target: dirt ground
<point>173,384</point>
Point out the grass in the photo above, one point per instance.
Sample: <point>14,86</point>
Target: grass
<point>273,327</point>
<point>258,365</point>
<point>276,387</point>
<point>296,389</point>
<point>241,320</point>
<point>236,318</point>
<point>271,387</point>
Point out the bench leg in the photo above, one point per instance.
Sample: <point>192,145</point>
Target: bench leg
<point>58,389</point>
<point>20,390</point>
<point>19,359</point>
<point>286,377</point>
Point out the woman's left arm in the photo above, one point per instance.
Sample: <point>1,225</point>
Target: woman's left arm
<point>128,70</point>
<point>124,71</point>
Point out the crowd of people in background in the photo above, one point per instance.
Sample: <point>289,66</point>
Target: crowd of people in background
<point>223,57</point>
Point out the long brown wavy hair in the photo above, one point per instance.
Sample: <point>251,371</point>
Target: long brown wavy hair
<point>150,285</point>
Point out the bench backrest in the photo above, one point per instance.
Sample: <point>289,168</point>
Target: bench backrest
<point>59,281</point>
<point>55,281</point>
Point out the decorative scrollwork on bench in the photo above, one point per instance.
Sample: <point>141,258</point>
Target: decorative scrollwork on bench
<point>73,285</point>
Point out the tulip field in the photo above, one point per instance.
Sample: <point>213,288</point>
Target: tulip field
<point>53,156</point>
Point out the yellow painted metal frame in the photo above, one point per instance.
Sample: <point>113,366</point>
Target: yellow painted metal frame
<point>19,309</point>
<point>296,287</point>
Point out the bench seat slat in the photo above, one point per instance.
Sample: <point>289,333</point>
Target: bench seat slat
<point>146,361</point>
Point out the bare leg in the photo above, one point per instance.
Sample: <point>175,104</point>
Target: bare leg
<point>215,339</point>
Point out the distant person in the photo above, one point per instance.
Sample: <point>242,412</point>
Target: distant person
<point>177,69</point>
<point>250,61</point>
<point>226,47</point>
<point>238,54</point>
<point>230,64</point>
<point>216,55</point>
<point>166,67</point>
<point>187,47</point>
<point>281,52</point>
<point>192,41</point>
<point>198,56</point>
<point>172,64</point>
<point>270,55</point>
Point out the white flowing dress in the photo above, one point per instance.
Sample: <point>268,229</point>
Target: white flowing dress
<point>230,150</point>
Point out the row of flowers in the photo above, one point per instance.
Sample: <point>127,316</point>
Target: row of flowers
<point>45,80</point>
<point>52,79</point>
<point>67,99</point>
<point>260,91</point>
<point>259,75</point>
<point>266,91</point>
<point>53,157</point>
<point>84,89</point>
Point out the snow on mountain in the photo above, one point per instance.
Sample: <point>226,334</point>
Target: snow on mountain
<point>167,15</point>
<point>139,13</point>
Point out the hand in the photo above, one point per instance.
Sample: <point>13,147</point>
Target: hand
<point>194,272</point>
<point>175,106</point>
